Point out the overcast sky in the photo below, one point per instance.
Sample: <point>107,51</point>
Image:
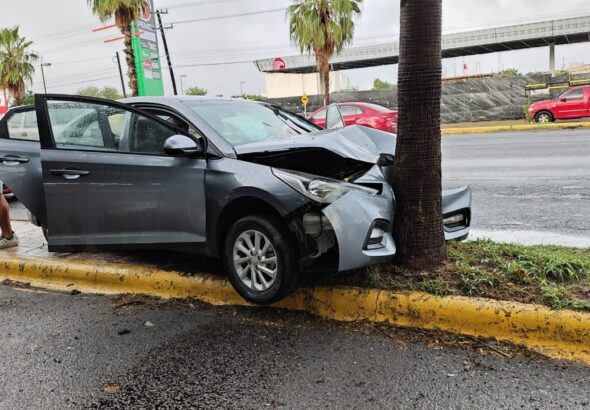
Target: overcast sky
<point>62,31</point>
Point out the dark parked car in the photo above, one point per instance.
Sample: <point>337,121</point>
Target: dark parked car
<point>359,113</point>
<point>261,188</point>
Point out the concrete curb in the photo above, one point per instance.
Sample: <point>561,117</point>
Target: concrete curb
<point>517,127</point>
<point>558,334</point>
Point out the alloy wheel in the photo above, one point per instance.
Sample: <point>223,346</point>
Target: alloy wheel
<point>255,260</point>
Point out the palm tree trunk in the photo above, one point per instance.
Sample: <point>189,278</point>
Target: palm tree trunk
<point>323,64</point>
<point>416,178</point>
<point>326,76</point>
<point>130,58</point>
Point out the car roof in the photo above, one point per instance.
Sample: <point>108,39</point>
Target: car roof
<point>177,99</point>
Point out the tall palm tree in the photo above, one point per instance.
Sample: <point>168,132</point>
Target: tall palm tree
<point>16,63</point>
<point>323,27</point>
<point>416,178</point>
<point>125,12</point>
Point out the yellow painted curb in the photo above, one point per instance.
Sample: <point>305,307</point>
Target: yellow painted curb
<point>558,334</point>
<point>516,127</point>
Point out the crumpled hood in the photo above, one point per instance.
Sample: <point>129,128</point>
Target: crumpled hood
<point>339,153</point>
<point>354,142</point>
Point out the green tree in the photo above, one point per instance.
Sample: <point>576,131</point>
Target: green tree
<point>110,93</point>
<point>28,98</point>
<point>510,72</point>
<point>16,63</point>
<point>125,13</point>
<point>379,84</point>
<point>416,176</point>
<point>196,91</point>
<point>90,91</point>
<point>323,27</point>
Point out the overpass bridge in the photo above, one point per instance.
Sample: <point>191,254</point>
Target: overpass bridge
<point>491,40</point>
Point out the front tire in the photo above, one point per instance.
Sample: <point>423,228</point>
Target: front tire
<point>260,256</point>
<point>544,117</point>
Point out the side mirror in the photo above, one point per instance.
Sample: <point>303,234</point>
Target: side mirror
<point>183,146</point>
<point>562,99</point>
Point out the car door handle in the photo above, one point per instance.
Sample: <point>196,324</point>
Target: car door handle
<point>69,173</point>
<point>13,160</point>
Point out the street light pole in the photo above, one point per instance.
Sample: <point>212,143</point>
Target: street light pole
<point>181,85</point>
<point>43,75</point>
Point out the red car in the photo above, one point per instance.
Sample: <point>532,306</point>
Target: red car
<point>367,114</point>
<point>574,103</point>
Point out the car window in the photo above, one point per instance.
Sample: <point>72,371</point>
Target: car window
<point>102,127</point>
<point>175,121</point>
<point>320,115</point>
<point>23,126</point>
<point>350,110</point>
<point>573,95</point>
<point>243,122</point>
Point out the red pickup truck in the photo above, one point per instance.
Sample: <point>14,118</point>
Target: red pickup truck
<point>574,103</point>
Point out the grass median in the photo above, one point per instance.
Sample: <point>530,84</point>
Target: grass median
<point>554,276</point>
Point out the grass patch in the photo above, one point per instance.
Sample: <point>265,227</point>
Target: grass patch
<point>555,276</point>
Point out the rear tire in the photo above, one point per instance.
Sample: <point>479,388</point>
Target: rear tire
<point>544,117</point>
<point>261,258</point>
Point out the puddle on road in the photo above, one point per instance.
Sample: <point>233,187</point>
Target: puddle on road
<point>532,238</point>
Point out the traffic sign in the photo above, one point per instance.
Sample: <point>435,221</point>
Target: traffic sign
<point>304,99</point>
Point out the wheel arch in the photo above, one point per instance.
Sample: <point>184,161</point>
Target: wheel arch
<point>235,209</point>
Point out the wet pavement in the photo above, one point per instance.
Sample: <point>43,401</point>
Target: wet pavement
<point>64,351</point>
<point>529,187</point>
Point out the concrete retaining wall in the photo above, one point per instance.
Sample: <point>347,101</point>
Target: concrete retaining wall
<point>462,101</point>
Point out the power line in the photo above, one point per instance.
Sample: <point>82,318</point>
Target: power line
<point>77,83</point>
<point>252,13</point>
<point>195,4</point>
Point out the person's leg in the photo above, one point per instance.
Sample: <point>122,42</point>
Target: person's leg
<point>8,238</point>
<point>5,218</point>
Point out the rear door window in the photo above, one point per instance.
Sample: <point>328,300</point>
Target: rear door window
<point>22,125</point>
<point>350,110</point>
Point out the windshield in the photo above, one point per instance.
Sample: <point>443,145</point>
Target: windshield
<point>243,122</point>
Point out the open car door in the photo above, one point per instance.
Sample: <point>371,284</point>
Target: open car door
<point>109,182</point>
<point>20,162</point>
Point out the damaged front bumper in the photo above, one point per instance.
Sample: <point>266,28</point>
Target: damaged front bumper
<point>357,224</point>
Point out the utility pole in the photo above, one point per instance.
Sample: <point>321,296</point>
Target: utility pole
<point>242,88</point>
<point>163,34</point>
<point>121,75</point>
<point>43,74</point>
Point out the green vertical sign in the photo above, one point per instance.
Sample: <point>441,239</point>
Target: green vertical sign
<point>147,54</point>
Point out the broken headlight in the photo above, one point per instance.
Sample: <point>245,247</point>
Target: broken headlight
<point>319,189</point>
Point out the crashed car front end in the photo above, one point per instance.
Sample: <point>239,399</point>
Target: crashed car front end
<point>351,207</point>
<point>354,218</point>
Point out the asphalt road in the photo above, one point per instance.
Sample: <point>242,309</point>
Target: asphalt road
<point>527,187</point>
<point>64,351</point>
